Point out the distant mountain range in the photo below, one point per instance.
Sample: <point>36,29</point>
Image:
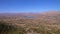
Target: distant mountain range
<point>49,13</point>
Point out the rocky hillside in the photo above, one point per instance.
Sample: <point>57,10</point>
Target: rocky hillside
<point>29,23</point>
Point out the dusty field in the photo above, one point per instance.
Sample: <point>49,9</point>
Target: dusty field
<point>44,23</point>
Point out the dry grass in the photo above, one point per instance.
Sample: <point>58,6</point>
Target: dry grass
<point>42,24</point>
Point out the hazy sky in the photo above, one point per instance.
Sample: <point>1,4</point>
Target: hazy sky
<point>14,6</point>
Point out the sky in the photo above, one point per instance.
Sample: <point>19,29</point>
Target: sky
<point>16,6</point>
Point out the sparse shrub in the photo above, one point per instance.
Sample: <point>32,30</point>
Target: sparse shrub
<point>58,32</point>
<point>9,29</point>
